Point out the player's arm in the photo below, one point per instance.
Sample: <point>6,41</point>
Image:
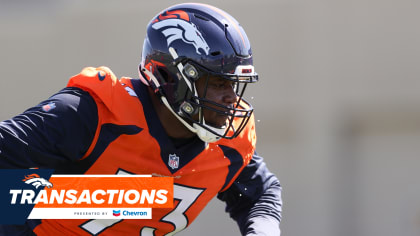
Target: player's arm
<point>254,200</point>
<point>51,134</point>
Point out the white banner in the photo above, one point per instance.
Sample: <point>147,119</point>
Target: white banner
<point>91,213</point>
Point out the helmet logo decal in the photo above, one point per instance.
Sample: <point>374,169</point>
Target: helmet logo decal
<point>177,26</point>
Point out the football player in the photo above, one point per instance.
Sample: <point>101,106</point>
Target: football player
<point>185,117</point>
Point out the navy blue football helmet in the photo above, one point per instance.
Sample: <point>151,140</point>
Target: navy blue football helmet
<point>190,41</point>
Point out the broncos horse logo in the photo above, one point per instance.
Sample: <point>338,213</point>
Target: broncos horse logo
<point>176,25</point>
<point>37,181</point>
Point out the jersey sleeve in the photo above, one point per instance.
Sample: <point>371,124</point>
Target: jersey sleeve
<point>57,131</point>
<point>254,200</point>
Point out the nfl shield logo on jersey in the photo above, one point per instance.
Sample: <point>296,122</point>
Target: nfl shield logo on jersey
<point>173,161</point>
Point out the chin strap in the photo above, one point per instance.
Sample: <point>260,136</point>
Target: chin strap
<point>202,133</point>
<point>208,136</point>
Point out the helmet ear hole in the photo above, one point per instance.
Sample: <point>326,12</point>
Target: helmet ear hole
<point>165,75</point>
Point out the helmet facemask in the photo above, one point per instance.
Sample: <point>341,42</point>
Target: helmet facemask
<point>236,114</point>
<point>191,111</point>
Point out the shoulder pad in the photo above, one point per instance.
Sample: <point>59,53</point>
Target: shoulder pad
<point>99,82</point>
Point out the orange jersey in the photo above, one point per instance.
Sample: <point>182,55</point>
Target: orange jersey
<point>129,139</point>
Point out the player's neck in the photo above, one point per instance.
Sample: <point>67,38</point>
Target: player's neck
<point>173,127</point>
